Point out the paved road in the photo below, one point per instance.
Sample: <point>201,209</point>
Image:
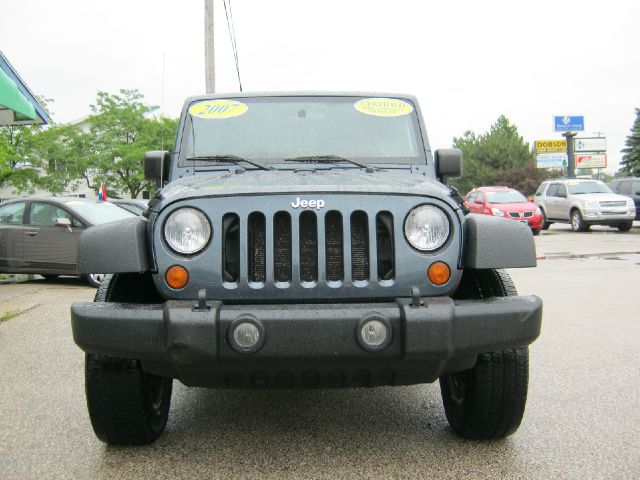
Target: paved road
<point>581,419</point>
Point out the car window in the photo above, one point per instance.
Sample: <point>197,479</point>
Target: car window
<point>622,187</point>
<point>471,198</point>
<point>591,186</point>
<point>562,191</point>
<point>635,187</point>
<point>553,189</point>
<point>12,214</point>
<point>541,189</point>
<point>45,215</point>
<point>510,196</point>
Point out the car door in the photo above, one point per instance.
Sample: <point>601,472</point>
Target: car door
<point>11,236</point>
<point>563,204</point>
<point>551,201</point>
<point>634,191</point>
<point>49,248</point>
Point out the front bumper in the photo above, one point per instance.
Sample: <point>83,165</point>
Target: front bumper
<point>307,345</point>
<point>607,217</point>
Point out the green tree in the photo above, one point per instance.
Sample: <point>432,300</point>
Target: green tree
<point>630,164</point>
<point>497,157</point>
<point>18,164</point>
<point>120,131</point>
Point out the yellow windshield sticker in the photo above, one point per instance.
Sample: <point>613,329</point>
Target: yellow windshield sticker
<point>383,107</point>
<point>218,109</point>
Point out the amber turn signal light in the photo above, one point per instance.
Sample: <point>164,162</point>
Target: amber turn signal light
<point>177,277</point>
<point>439,273</point>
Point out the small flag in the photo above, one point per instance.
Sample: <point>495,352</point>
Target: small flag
<point>102,193</point>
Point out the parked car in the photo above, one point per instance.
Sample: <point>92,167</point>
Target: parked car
<point>504,202</point>
<point>629,187</point>
<point>39,235</point>
<point>137,207</point>
<point>582,203</point>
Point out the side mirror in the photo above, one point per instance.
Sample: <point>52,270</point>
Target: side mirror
<point>448,162</point>
<point>63,222</point>
<point>479,200</point>
<point>156,166</point>
<point>561,195</point>
<point>530,199</point>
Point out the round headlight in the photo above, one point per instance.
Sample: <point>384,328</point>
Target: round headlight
<point>426,228</point>
<point>187,230</point>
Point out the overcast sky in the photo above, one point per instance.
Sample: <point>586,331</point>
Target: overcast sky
<point>467,61</point>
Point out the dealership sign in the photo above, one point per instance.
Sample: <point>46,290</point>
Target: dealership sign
<point>551,160</point>
<point>595,160</point>
<point>568,123</point>
<point>590,144</point>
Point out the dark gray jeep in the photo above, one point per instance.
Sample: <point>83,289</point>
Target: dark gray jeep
<point>305,240</point>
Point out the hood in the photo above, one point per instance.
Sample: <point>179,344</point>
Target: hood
<point>516,207</point>
<point>257,182</point>
<point>600,197</point>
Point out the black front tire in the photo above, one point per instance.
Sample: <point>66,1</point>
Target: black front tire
<point>488,400</point>
<point>545,223</point>
<point>94,279</point>
<point>127,406</point>
<point>577,223</point>
<point>625,227</point>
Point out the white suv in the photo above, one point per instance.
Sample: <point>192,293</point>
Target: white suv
<point>583,203</point>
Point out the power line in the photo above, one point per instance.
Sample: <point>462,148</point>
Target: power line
<point>232,34</point>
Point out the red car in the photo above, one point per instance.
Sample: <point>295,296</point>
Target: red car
<point>504,202</point>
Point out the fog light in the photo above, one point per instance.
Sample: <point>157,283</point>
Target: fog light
<point>246,335</point>
<point>177,277</point>
<point>374,333</point>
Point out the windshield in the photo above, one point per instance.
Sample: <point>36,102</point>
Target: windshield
<point>99,212</point>
<point>506,197</point>
<point>577,188</point>
<point>273,129</point>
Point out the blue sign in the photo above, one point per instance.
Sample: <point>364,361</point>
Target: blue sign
<point>568,123</point>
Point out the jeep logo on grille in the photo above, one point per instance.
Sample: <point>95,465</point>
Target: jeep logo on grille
<point>317,204</point>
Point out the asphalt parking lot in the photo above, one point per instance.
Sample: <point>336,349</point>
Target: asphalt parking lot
<point>581,419</point>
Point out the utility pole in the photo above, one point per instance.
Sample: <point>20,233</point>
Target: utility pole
<point>209,58</point>
<point>571,159</point>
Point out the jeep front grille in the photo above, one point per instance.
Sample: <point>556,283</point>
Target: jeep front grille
<point>320,241</point>
<point>613,203</point>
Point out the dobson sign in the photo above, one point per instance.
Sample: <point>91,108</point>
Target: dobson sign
<point>551,146</point>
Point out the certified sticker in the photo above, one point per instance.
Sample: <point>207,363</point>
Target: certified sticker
<point>383,107</point>
<point>218,109</point>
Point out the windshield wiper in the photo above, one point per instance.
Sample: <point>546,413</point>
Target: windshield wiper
<point>329,159</point>
<point>229,158</point>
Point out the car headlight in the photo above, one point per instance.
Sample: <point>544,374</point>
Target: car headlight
<point>497,212</point>
<point>630,204</point>
<point>187,230</point>
<point>538,211</point>
<point>426,228</point>
<point>590,204</point>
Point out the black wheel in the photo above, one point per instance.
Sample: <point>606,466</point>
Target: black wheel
<point>577,224</point>
<point>488,400</point>
<point>625,227</point>
<point>545,223</point>
<point>49,278</point>
<point>94,279</point>
<point>535,231</point>
<point>127,406</point>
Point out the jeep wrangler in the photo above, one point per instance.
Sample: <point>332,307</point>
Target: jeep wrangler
<point>305,240</point>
